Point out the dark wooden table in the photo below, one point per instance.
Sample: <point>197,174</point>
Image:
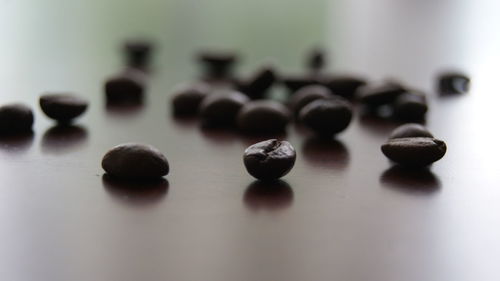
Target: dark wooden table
<point>343,213</point>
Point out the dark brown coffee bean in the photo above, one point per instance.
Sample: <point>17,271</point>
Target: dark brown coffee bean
<point>306,95</point>
<point>138,53</point>
<point>410,106</point>
<point>414,151</point>
<point>344,86</point>
<point>453,83</point>
<point>269,160</point>
<point>135,161</point>
<point>316,60</point>
<point>263,117</point>
<point>15,118</point>
<point>295,82</point>
<point>62,107</point>
<point>220,109</point>
<point>258,84</point>
<point>327,117</point>
<point>186,99</point>
<point>126,87</point>
<point>410,130</point>
<point>378,95</point>
<point>217,64</point>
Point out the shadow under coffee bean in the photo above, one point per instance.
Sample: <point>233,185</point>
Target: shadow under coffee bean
<point>411,181</point>
<point>326,153</point>
<point>268,195</point>
<point>136,193</point>
<point>61,139</point>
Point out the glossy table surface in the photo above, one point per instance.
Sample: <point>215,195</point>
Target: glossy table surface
<point>343,213</point>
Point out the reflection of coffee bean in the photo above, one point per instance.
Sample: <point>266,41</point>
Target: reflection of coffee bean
<point>15,118</point>
<point>410,130</point>
<point>414,151</point>
<point>136,193</point>
<point>323,152</point>
<point>16,142</point>
<point>327,117</point>
<point>263,116</point>
<point>269,159</point>
<point>268,195</point>
<point>62,107</point>
<point>135,161</point>
<point>410,180</point>
<point>61,138</point>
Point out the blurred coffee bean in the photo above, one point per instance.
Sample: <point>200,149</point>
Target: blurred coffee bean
<point>377,95</point>
<point>62,107</point>
<point>327,117</point>
<point>258,84</point>
<point>410,130</point>
<point>187,98</point>
<point>138,53</point>
<point>410,106</point>
<point>344,86</point>
<point>316,60</point>
<point>217,64</point>
<point>15,118</point>
<point>220,108</point>
<point>306,95</point>
<point>416,152</point>
<point>125,87</point>
<point>295,82</point>
<point>263,116</point>
<point>453,83</point>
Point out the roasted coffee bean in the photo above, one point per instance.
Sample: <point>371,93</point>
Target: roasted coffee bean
<point>263,116</point>
<point>306,95</point>
<point>269,160</point>
<point>138,53</point>
<point>410,130</point>
<point>62,107</point>
<point>414,151</point>
<point>220,108</point>
<point>327,117</point>
<point>135,161</point>
<point>295,82</point>
<point>378,95</point>
<point>217,64</point>
<point>344,86</point>
<point>258,84</point>
<point>453,83</point>
<point>15,118</point>
<point>410,106</point>
<point>126,87</point>
<point>316,60</point>
<point>186,99</point>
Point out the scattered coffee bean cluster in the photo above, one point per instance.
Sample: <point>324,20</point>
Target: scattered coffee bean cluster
<point>321,102</point>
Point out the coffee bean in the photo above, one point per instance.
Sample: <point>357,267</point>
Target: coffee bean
<point>410,130</point>
<point>258,84</point>
<point>135,161</point>
<point>295,82</point>
<point>306,95</point>
<point>453,83</point>
<point>186,99</point>
<point>126,87</point>
<point>327,117</point>
<point>138,53</point>
<point>378,95</point>
<point>62,107</point>
<point>410,106</point>
<point>344,86</point>
<point>220,108</point>
<point>263,116</point>
<point>217,64</point>
<point>316,60</point>
<point>414,151</point>
<point>269,160</point>
<point>15,118</point>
